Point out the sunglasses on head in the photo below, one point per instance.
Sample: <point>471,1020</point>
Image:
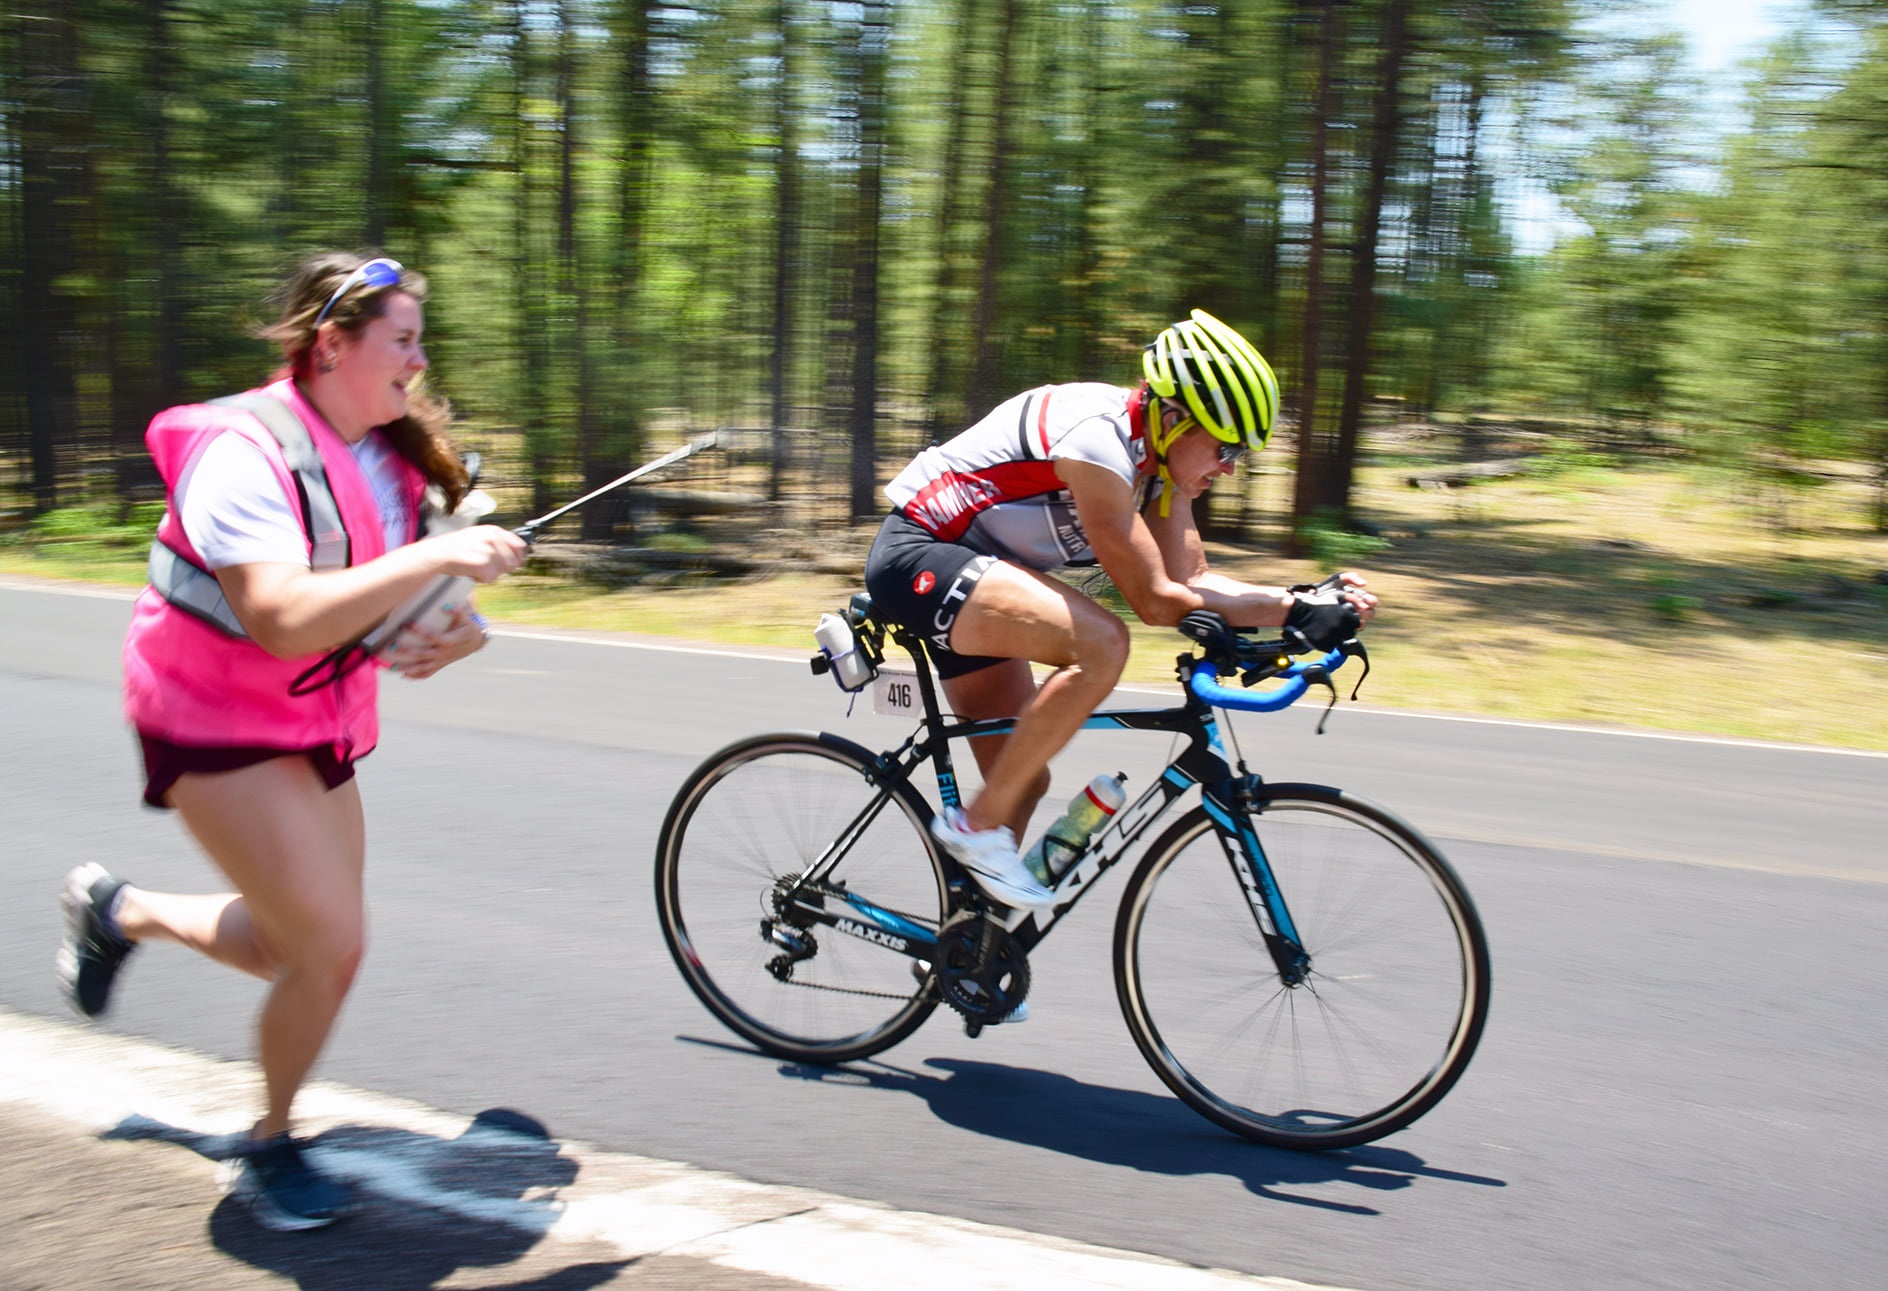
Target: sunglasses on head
<point>375,273</point>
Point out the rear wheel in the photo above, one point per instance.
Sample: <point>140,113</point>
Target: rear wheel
<point>746,825</point>
<point>1376,1032</point>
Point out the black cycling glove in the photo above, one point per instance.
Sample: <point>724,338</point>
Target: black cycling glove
<point>1320,620</point>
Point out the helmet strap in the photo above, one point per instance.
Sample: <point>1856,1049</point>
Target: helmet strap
<point>1167,490</point>
<point>1158,442</point>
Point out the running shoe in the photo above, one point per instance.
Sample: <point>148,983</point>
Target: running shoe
<point>92,953</point>
<point>991,858</point>
<point>283,1191</point>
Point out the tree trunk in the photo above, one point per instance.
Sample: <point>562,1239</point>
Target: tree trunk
<point>382,126</point>
<point>625,260</point>
<point>1363,286</point>
<point>983,394</point>
<point>786,228</point>
<point>51,130</point>
<point>874,53</point>
<point>533,404</point>
<point>1308,492</point>
<point>942,331</point>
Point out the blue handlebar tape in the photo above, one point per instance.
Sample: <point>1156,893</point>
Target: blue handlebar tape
<point>1203,681</point>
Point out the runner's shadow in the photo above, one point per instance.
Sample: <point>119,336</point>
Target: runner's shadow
<point>1125,1127</point>
<point>431,1206</point>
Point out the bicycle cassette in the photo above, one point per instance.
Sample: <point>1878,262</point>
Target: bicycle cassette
<point>982,970</point>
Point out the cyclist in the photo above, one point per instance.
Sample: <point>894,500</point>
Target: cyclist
<point>1068,475</point>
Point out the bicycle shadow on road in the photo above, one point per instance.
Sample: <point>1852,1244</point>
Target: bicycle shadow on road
<point>1126,1127</point>
<point>432,1207</point>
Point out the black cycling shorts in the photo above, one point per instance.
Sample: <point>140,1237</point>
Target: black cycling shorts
<point>918,580</point>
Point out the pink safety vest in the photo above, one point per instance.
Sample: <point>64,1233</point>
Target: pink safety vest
<point>186,681</point>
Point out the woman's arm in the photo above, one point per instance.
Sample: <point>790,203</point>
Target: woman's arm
<point>291,611</point>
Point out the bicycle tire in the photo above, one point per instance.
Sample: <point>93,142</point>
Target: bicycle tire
<point>763,809</point>
<point>1389,1015</point>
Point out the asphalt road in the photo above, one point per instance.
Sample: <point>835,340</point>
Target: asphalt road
<point>1679,1086</point>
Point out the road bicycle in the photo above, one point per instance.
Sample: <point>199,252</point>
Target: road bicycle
<point>1297,965</point>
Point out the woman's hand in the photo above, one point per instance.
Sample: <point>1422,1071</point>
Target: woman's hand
<point>482,552</point>
<point>420,653</point>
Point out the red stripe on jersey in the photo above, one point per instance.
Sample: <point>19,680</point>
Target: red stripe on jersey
<point>948,504</point>
<point>1042,420</point>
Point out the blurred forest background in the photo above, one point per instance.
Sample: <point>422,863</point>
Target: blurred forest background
<point>846,227</point>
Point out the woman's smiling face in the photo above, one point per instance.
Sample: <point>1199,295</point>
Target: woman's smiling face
<point>378,362</point>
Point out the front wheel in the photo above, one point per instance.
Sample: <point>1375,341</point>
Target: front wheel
<point>794,967</point>
<point>1377,1030</point>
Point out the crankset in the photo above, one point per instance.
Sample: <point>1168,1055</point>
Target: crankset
<point>982,970</point>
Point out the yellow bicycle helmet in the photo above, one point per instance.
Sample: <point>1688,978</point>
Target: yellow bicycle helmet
<point>1225,383</point>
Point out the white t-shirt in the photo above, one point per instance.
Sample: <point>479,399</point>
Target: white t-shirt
<point>993,488</point>
<point>234,512</point>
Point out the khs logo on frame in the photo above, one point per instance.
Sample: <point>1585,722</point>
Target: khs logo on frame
<point>924,582</point>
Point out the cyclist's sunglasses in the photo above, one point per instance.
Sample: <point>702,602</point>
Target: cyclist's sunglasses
<point>1229,454</point>
<point>375,273</point>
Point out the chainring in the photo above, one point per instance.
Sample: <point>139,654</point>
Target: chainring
<point>982,970</point>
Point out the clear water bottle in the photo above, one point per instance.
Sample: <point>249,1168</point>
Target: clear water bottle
<point>1063,841</point>
<point>850,668</point>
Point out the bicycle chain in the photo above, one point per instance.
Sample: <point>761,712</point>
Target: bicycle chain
<point>779,902</point>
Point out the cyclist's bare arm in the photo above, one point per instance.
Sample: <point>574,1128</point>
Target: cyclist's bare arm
<point>1179,540</point>
<point>1163,577</point>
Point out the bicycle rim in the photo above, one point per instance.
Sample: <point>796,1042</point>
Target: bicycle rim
<point>1383,1026</point>
<point>762,812</point>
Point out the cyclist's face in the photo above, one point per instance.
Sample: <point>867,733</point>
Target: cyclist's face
<point>1194,462</point>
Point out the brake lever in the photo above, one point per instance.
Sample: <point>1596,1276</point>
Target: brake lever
<point>1354,649</point>
<point>1316,675</point>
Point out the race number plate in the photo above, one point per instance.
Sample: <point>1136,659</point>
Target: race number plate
<point>895,694</point>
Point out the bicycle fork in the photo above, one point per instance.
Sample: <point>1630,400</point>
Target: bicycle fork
<point>1230,804</point>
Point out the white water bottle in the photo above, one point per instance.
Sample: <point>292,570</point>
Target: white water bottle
<point>1063,841</point>
<point>850,668</point>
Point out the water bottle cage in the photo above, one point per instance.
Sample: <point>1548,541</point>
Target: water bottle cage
<point>867,642</point>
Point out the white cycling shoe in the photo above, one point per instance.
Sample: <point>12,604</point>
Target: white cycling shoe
<point>991,858</point>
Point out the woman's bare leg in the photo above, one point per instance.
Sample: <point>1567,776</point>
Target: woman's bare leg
<point>295,851</point>
<point>214,925</point>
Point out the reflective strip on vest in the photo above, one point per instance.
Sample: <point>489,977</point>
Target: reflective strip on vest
<point>195,590</point>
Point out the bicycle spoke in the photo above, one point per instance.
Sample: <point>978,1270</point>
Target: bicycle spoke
<point>1385,1020</point>
<point>746,830</point>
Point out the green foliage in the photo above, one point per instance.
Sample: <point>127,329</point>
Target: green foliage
<point>596,191</point>
<point>1674,607</point>
<point>99,524</point>
<point>1334,547</point>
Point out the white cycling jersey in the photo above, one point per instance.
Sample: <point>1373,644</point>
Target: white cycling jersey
<point>993,488</point>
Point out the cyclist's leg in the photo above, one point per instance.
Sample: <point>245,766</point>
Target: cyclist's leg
<point>1021,615</point>
<point>1003,688</point>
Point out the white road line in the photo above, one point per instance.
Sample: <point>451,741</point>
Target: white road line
<point>100,1082</point>
<point>782,655</point>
